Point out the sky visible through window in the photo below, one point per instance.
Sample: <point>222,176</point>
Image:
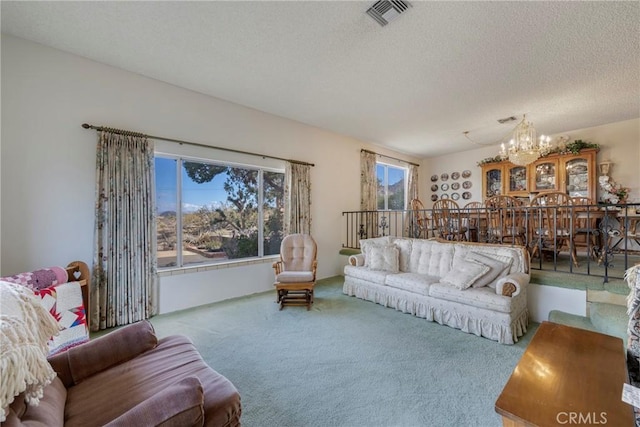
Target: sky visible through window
<point>390,187</point>
<point>194,195</point>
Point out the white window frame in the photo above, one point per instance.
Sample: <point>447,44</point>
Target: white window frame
<point>180,159</point>
<point>385,182</point>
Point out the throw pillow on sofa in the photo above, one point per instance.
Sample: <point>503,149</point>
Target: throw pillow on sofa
<point>462,276</point>
<point>383,258</point>
<point>366,244</point>
<point>497,268</point>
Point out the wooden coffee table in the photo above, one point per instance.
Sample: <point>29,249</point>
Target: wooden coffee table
<point>567,376</point>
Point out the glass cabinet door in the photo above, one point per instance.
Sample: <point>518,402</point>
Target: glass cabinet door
<point>518,179</point>
<point>577,182</point>
<point>546,178</point>
<point>493,182</point>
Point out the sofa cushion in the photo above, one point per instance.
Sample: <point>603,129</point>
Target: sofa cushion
<point>365,273</point>
<point>383,257</point>
<point>412,282</point>
<point>463,275</point>
<point>498,267</point>
<point>295,276</point>
<point>126,385</point>
<point>431,258</point>
<point>164,409</point>
<point>477,297</point>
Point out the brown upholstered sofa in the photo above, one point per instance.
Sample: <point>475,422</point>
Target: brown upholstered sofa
<point>130,378</point>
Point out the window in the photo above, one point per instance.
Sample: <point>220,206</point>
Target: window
<point>211,212</point>
<point>391,187</point>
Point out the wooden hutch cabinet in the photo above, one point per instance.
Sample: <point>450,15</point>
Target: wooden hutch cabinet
<point>574,174</point>
<point>493,179</point>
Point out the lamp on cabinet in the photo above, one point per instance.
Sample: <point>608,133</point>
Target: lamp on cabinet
<point>605,167</point>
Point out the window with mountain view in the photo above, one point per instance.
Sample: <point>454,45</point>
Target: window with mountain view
<point>391,187</point>
<point>213,212</point>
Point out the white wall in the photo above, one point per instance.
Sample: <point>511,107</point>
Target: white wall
<point>48,161</point>
<point>458,162</point>
<point>542,299</point>
<point>619,142</point>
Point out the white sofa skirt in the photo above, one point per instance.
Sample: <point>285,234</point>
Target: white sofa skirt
<point>505,328</point>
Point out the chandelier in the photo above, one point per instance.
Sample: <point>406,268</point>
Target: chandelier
<point>524,147</point>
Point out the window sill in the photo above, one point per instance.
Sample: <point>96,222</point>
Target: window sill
<point>174,271</point>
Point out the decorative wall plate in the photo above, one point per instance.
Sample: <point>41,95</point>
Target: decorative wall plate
<point>444,187</point>
<point>434,178</point>
<point>466,195</point>
<point>466,185</point>
<point>466,174</point>
<point>434,187</point>
<point>455,196</point>
<point>444,176</point>
<point>455,175</point>
<point>444,196</point>
<point>455,185</point>
<point>434,197</point>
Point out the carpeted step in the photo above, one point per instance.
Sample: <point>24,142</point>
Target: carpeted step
<point>568,281</point>
<point>617,286</point>
<point>606,297</point>
<point>569,319</point>
<point>349,251</point>
<point>609,319</point>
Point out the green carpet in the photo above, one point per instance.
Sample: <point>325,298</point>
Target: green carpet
<point>347,362</point>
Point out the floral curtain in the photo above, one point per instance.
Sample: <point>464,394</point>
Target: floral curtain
<point>412,193</point>
<point>412,185</point>
<point>124,265</point>
<point>368,195</point>
<point>297,195</point>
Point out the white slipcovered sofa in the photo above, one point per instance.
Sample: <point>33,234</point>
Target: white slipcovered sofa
<point>477,288</point>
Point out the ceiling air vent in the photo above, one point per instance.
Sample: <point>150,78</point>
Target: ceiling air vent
<point>385,11</point>
<point>507,120</point>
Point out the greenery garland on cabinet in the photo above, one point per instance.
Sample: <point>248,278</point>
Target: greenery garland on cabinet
<point>573,147</point>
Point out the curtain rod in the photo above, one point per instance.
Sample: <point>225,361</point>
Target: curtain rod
<point>130,133</point>
<point>389,157</point>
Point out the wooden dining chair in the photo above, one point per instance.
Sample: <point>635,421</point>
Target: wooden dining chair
<point>420,220</point>
<point>505,220</point>
<point>476,222</point>
<point>448,220</point>
<point>552,222</point>
<point>585,226</point>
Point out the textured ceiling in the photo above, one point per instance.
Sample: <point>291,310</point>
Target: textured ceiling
<point>414,86</point>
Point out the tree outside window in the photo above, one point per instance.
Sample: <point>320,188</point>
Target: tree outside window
<point>226,212</point>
